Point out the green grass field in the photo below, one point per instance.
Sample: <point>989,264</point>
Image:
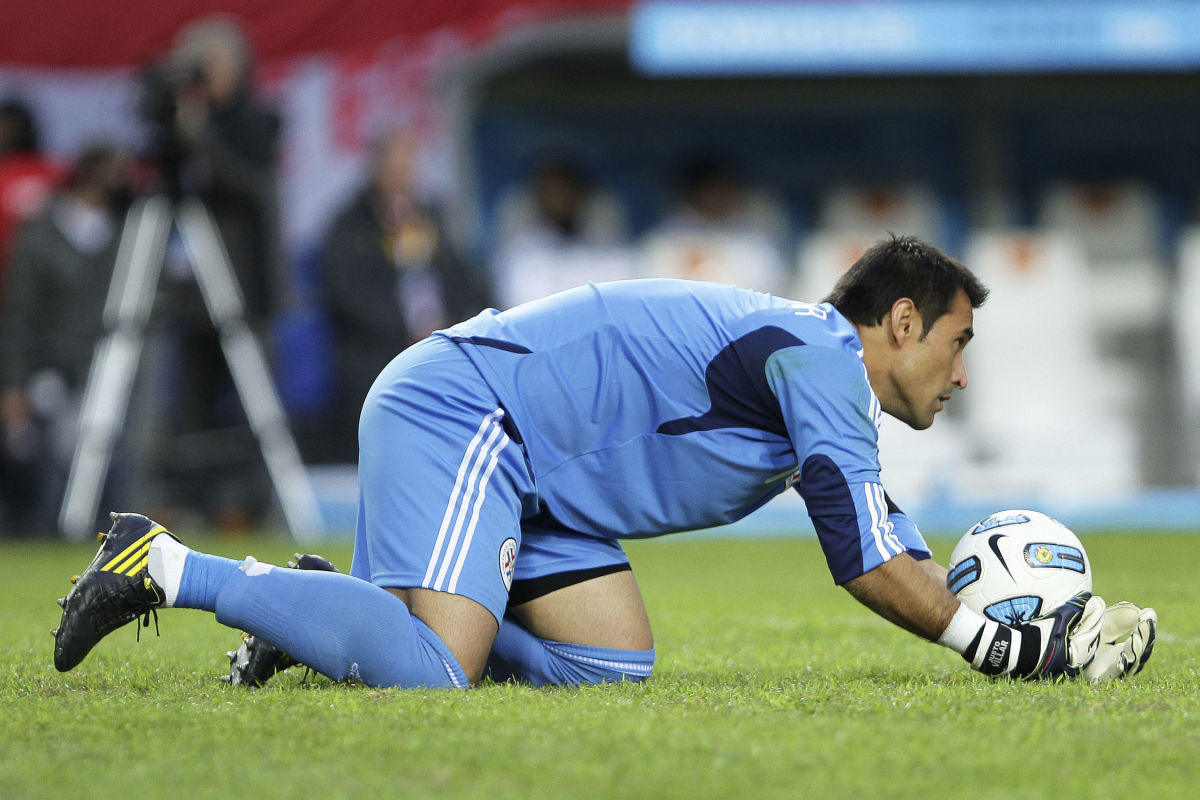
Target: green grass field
<point>771,682</point>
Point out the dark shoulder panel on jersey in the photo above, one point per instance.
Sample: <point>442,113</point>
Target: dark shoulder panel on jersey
<point>739,396</point>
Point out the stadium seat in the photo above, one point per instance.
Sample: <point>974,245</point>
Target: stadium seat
<point>875,211</point>
<point>822,258</point>
<point>919,468</point>
<point>603,217</point>
<point>1120,228</point>
<point>741,258</point>
<point>526,269</point>
<point>557,231</point>
<point>1120,225</point>
<point>1187,340</point>
<point>851,218</point>
<point>739,242</point>
<point>1041,406</point>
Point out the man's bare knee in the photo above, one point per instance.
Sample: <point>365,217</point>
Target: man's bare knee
<point>466,627</point>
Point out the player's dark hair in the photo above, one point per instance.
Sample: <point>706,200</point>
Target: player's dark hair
<point>903,266</point>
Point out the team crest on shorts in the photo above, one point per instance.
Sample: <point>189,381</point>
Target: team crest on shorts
<point>508,558</point>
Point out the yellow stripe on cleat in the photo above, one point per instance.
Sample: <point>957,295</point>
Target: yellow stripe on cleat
<point>121,564</point>
<point>143,541</point>
<point>135,567</point>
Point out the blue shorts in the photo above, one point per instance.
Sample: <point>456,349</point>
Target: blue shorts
<point>446,497</point>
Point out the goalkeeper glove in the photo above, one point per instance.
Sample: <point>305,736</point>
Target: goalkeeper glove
<point>1058,644</point>
<point>1127,635</point>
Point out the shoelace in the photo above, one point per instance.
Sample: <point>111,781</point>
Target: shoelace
<point>118,616</point>
<point>144,622</point>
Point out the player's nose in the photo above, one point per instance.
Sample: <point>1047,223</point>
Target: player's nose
<point>958,378</point>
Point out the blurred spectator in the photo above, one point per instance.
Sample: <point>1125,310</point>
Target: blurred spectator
<point>391,277</point>
<point>26,177</point>
<point>62,262</point>
<point>556,233</point>
<point>721,230</point>
<point>215,141</point>
<point>18,131</point>
<point>224,149</point>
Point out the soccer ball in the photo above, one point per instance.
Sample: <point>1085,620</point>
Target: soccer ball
<point>1016,565</point>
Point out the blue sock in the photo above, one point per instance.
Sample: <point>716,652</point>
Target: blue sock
<point>342,627</point>
<point>202,579</point>
<point>519,654</point>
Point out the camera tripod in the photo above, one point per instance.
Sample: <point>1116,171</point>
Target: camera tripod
<point>140,256</point>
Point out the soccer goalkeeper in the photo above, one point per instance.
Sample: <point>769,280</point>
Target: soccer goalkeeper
<point>503,460</point>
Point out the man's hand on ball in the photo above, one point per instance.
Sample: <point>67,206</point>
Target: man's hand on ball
<point>1056,645</point>
<point>1126,640</point>
<point>1069,636</point>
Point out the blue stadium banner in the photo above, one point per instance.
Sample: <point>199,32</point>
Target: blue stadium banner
<point>767,37</point>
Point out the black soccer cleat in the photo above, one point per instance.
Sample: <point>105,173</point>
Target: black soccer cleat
<point>114,590</point>
<point>256,660</point>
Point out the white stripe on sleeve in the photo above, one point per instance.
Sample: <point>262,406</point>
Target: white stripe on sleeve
<point>876,528</point>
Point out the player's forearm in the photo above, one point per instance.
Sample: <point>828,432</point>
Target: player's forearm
<point>913,595</point>
<point>909,593</point>
<point>934,570</point>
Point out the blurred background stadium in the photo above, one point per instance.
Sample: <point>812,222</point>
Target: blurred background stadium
<point>524,147</point>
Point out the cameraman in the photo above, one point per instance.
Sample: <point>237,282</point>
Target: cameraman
<point>217,143</point>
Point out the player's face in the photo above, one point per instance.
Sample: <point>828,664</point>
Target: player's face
<point>928,369</point>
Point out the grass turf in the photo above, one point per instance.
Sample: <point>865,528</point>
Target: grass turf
<point>771,682</point>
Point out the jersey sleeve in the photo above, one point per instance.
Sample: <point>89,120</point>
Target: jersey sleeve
<point>832,419</point>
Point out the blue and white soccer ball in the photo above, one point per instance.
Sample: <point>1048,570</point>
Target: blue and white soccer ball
<point>1015,565</point>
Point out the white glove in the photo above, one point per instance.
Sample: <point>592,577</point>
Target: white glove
<point>1056,645</point>
<point>1125,642</point>
<point>1083,640</point>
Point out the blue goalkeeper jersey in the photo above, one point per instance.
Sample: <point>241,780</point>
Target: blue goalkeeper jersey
<point>655,406</point>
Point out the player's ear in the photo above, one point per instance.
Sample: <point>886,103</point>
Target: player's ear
<point>904,321</point>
